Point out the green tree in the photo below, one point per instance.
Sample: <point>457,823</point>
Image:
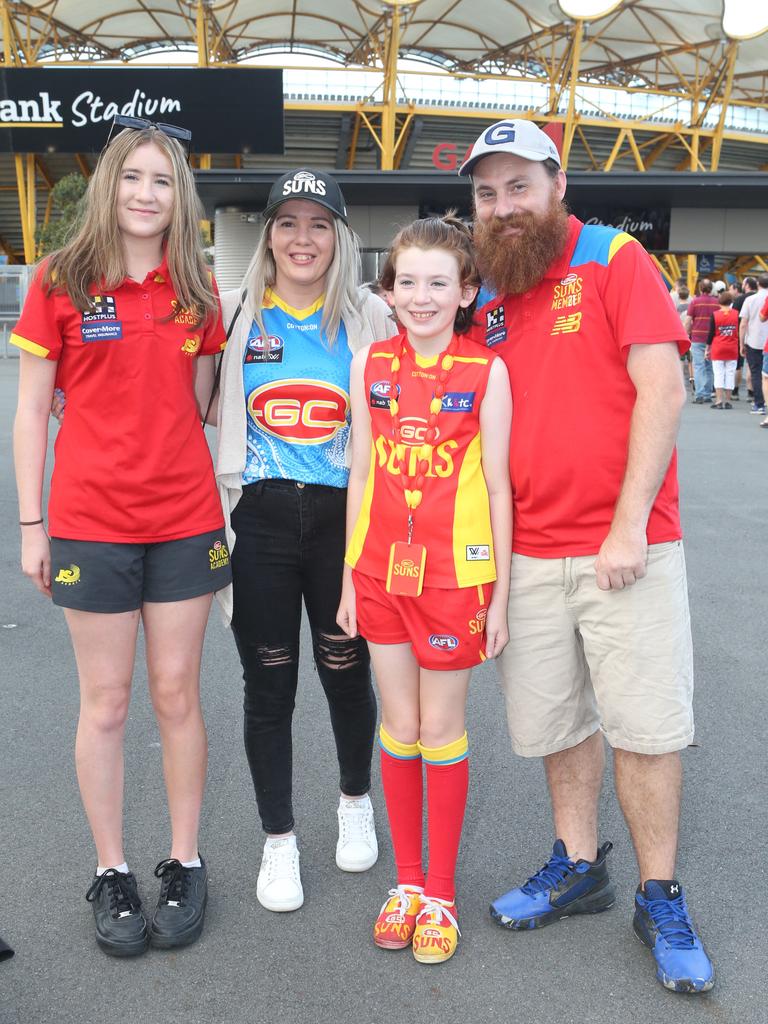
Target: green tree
<point>66,208</point>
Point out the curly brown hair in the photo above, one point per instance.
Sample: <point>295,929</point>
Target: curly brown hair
<point>448,232</point>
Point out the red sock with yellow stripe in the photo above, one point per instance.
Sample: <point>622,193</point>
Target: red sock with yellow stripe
<point>401,779</point>
<point>447,784</point>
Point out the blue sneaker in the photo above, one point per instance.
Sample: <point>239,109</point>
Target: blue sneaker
<point>562,888</point>
<point>662,923</point>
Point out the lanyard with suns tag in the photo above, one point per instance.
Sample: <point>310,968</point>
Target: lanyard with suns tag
<point>405,574</point>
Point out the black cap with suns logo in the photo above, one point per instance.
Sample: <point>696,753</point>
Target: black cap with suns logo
<point>306,183</point>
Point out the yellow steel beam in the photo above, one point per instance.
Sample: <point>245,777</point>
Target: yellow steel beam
<point>48,208</point>
<point>369,125</point>
<point>687,163</point>
<point>615,151</point>
<point>570,116</point>
<point>717,140</point>
<point>660,147</point>
<point>401,137</point>
<point>32,204</point>
<point>42,170</point>
<point>761,263</point>
<point>661,268</point>
<point>353,144</point>
<point>389,102</point>
<point>83,165</point>
<point>693,272</point>
<point>587,148</point>
<point>676,129</point>
<point>201,29</point>
<point>635,150</point>
<point>25,183</point>
<point>9,56</point>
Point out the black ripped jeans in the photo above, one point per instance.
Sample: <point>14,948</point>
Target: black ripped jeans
<point>290,545</point>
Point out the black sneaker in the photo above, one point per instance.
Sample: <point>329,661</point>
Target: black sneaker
<point>121,929</point>
<point>180,910</point>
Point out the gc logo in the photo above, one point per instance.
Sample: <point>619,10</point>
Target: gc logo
<point>498,134</point>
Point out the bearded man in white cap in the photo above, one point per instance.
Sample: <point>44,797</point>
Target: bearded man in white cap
<point>600,642</point>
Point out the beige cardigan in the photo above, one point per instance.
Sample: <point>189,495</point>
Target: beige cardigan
<point>374,323</point>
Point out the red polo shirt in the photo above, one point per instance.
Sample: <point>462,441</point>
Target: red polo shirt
<point>565,344</point>
<point>132,464</point>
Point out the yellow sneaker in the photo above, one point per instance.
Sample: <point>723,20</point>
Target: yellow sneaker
<point>437,931</point>
<point>397,918</point>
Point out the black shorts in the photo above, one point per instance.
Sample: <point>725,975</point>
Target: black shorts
<point>99,576</point>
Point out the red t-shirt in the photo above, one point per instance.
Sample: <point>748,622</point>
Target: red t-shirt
<point>132,463</point>
<point>453,520</point>
<point>725,341</point>
<point>566,344</point>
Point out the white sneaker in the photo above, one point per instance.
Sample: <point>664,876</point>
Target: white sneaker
<point>357,849</point>
<point>279,885</point>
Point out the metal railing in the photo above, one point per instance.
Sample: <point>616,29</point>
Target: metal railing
<point>14,282</point>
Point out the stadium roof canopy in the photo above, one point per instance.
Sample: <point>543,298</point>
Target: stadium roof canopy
<point>666,44</point>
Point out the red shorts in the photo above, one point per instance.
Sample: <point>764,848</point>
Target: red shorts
<point>446,628</point>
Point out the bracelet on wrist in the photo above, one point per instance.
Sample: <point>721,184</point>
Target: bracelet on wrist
<point>30,522</point>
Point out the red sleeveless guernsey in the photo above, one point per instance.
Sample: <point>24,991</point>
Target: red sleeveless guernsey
<point>453,520</point>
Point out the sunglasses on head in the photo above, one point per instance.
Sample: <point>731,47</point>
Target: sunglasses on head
<point>140,124</point>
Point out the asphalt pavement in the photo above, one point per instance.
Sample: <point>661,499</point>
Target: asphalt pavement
<point>319,964</point>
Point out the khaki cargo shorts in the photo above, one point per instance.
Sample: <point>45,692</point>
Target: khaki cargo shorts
<point>580,658</point>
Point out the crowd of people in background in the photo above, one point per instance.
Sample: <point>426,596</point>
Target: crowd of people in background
<point>728,327</point>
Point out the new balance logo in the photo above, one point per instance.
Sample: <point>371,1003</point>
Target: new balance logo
<point>569,324</point>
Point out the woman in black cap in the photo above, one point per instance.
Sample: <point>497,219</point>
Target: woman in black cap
<point>284,422</point>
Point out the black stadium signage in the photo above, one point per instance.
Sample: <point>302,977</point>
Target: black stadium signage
<point>70,110</point>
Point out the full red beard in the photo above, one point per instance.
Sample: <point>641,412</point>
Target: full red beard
<point>516,263</point>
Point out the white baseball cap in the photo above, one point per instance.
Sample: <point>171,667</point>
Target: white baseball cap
<point>521,138</point>
<point>719,287</point>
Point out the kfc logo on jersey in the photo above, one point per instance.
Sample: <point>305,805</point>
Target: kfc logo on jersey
<point>443,642</point>
<point>380,393</point>
<point>458,401</point>
<point>255,352</point>
<point>495,326</point>
<point>299,411</point>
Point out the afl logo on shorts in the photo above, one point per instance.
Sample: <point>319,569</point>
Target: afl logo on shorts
<point>380,393</point>
<point>443,642</point>
<point>299,411</point>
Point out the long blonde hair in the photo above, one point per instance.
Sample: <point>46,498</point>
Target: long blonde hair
<point>342,281</point>
<point>96,252</point>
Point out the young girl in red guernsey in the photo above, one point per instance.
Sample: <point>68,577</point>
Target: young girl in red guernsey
<point>429,526</point>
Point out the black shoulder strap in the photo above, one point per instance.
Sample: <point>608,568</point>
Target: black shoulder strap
<point>217,377</point>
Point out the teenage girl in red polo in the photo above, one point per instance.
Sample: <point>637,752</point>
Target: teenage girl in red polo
<point>430,527</point>
<point>125,319</point>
